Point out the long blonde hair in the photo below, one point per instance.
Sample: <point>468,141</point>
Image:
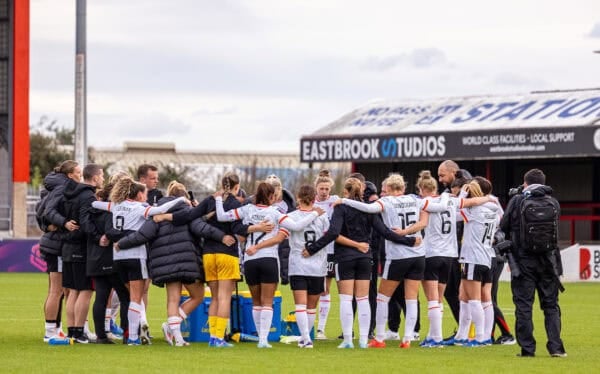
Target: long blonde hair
<point>126,188</point>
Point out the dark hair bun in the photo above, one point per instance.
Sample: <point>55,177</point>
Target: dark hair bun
<point>324,173</point>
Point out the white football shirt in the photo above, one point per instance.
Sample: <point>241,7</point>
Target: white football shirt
<point>315,265</point>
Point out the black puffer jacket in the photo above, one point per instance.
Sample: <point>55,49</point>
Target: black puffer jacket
<point>174,254</point>
<point>99,259</point>
<point>78,198</point>
<point>51,242</point>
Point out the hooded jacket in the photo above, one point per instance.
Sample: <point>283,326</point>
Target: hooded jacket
<point>49,213</point>
<point>174,254</point>
<point>78,198</point>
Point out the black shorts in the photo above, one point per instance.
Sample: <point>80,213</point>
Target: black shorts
<point>74,277</point>
<point>261,270</point>
<point>54,263</point>
<point>330,266</point>
<point>359,269</point>
<point>314,285</point>
<point>475,272</point>
<point>131,269</point>
<point>437,269</point>
<point>407,268</point>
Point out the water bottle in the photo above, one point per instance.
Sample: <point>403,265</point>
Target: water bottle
<point>241,337</point>
<point>60,341</point>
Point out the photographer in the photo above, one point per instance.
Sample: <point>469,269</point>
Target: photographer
<point>537,256</point>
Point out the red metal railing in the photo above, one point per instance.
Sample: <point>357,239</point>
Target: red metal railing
<point>573,218</point>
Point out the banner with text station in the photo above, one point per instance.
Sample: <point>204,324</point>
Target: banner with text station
<point>535,125</point>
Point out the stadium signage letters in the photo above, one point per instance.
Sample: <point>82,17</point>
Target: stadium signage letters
<point>527,111</point>
<point>512,143</point>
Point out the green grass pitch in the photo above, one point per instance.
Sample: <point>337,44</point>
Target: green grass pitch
<point>22,349</point>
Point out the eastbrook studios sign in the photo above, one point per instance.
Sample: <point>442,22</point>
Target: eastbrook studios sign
<point>535,126</point>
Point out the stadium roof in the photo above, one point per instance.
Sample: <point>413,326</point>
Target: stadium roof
<point>538,124</point>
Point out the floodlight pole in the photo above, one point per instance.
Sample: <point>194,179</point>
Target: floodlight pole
<point>80,141</point>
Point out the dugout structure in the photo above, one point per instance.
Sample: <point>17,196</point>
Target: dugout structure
<point>498,137</point>
<point>14,116</point>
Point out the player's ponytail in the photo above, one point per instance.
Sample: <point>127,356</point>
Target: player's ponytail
<point>426,182</point>
<point>353,187</point>
<point>264,194</point>
<point>228,183</point>
<point>66,167</point>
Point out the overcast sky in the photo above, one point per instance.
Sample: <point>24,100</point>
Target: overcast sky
<point>259,74</point>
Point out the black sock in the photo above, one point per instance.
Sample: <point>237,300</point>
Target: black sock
<point>70,332</point>
<point>59,314</point>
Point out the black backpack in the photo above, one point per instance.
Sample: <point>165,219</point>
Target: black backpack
<point>539,223</point>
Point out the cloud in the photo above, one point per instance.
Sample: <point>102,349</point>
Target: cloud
<point>150,126</point>
<point>421,58</point>
<point>595,33</point>
<point>516,80</point>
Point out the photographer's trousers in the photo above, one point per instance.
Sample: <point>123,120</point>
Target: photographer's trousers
<point>536,274</point>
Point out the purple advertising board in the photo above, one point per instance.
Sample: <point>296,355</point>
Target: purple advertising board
<point>21,256</point>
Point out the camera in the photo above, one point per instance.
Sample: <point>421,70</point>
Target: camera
<point>515,191</point>
<point>504,247</point>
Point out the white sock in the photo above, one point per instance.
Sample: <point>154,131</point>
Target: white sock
<point>266,318</point>
<point>302,321</point>
<point>324,305</point>
<point>464,321</point>
<point>312,315</point>
<point>51,329</point>
<point>478,318</point>
<point>143,319</point>
<point>115,305</point>
<point>175,327</point>
<point>133,315</point>
<point>364,318</point>
<point>256,317</point>
<point>182,314</point>
<point>488,313</point>
<point>410,320</point>
<point>346,317</point>
<point>381,316</point>
<point>107,319</point>
<point>86,327</point>
<point>435,320</point>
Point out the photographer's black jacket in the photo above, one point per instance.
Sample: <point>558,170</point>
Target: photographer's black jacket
<point>511,225</point>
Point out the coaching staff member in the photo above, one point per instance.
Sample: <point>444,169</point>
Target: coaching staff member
<point>538,271</point>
